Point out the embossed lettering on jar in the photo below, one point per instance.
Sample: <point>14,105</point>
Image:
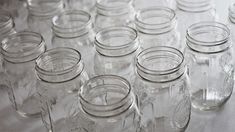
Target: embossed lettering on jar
<point>210,63</point>
<point>108,105</point>
<point>40,15</point>
<point>19,52</point>
<point>162,87</point>
<point>116,48</point>
<point>60,73</point>
<point>74,29</point>
<point>114,13</point>
<point>157,26</point>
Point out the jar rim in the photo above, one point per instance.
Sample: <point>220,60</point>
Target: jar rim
<point>194,6</point>
<point>153,9</point>
<point>103,77</point>
<point>204,24</point>
<point>104,6</point>
<point>132,43</point>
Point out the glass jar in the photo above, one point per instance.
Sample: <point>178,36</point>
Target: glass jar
<point>60,73</point>
<point>157,26</point>
<point>210,63</point>
<point>40,15</point>
<point>193,11</point>
<point>116,49</point>
<point>108,105</point>
<point>74,29</point>
<point>6,28</point>
<point>19,52</point>
<point>162,87</point>
<point>86,5</point>
<point>114,13</point>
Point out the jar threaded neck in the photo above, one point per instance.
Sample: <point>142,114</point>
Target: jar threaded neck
<point>194,6</point>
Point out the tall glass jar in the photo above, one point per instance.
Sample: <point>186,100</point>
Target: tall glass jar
<point>108,105</point>
<point>19,53</point>
<point>60,73</point>
<point>86,5</point>
<point>74,29</point>
<point>193,11</point>
<point>210,63</point>
<point>116,48</point>
<point>40,15</point>
<point>157,26</point>
<point>114,13</point>
<point>162,87</point>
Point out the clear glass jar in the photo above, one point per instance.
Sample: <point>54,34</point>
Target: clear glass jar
<point>162,87</point>
<point>157,26</point>
<point>40,15</point>
<point>86,5</point>
<point>108,105</point>
<point>114,13</point>
<point>192,11</point>
<point>74,29</point>
<point>60,73</point>
<point>19,53</point>
<point>116,49</point>
<point>210,63</point>
<point>6,28</point>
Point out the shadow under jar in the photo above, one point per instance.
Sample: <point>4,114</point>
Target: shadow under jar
<point>74,29</point>
<point>40,14</point>
<point>19,52</point>
<point>108,105</point>
<point>193,11</point>
<point>210,62</point>
<point>157,26</point>
<point>114,13</point>
<point>116,49</point>
<point>162,87</point>
<point>60,73</point>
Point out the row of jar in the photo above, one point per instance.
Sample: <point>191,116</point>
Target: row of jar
<point>154,96</point>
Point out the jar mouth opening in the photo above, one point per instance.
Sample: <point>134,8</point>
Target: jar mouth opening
<point>22,44</point>
<point>115,92</point>
<point>58,61</point>
<point>72,20</point>
<point>208,34</point>
<point>160,60</point>
<point>116,41</point>
<point>155,16</point>
<point>112,4</point>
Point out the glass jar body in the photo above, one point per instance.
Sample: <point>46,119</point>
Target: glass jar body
<point>86,5</point>
<point>212,76</point>
<point>140,4</point>
<point>59,103</point>
<point>164,106</point>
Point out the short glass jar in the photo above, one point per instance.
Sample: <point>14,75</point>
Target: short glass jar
<point>19,52</point>
<point>157,26</point>
<point>193,11</point>
<point>116,49</point>
<point>210,62</point>
<point>114,13</point>
<point>162,87</point>
<point>60,73</point>
<point>40,15</point>
<point>74,29</point>
<point>108,104</point>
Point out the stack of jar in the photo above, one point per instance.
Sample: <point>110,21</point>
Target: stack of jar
<point>116,69</point>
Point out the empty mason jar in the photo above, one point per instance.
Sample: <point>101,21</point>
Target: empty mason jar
<point>210,63</point>
<point>162,87</point>
<point>116,49</point>
<point>40,15</point>
<point>74,29</point>
<point>19,53</point>
<point>86,5</point>
<point>114,13</point>
<point>157,26</point>
<point>108,105</point>
<point>193,11</point>
<point>60,73</point>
